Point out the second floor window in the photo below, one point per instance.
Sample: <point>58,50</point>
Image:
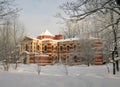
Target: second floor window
<point>61,48</point>
<point>75,47</point>
<point>68,48</point>
<point>26,47</point>
<point>38,47</point>
<point>45,48</point>
<point>52,48</point>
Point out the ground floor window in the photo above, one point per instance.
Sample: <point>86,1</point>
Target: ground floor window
<point>75,58</point>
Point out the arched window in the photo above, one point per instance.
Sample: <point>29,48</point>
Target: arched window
<point>56,48</point>
<point>61,48</point>
<point>68,48</point>
<point>45,48</point>
<point>75,47</point>
<point>38,47</point>
<point>52,48</point>
<point>75,58</point>
<point>26,47</point>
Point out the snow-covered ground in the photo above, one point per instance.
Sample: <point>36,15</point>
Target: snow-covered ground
<point>55,76</point>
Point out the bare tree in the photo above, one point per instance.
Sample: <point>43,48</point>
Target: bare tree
<point>70,30</point>
<point>17,35</point>
<point>10,37</point>
<point>7,8</point>
<point>9,32</point>
<point>5,39</point>
<point>37,56</point>
<point>82,9</point>
<point>87,51</point>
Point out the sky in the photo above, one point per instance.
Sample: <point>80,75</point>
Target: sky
<point>39,15</point>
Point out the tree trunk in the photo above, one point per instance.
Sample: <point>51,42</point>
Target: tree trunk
<point>114,28</point>
<point>117,65</point>
<point>114,71</point>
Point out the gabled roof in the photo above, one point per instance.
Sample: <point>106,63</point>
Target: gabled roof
<point>46,33</point>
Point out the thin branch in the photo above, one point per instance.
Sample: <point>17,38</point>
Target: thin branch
<point>118,20</point>
<point>96,10</point>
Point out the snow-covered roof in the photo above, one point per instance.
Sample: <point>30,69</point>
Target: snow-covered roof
<point>31,38</point>
<point>46,33</point>
<point>76,38</point>
<point>68,39</point>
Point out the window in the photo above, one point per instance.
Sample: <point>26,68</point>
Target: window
<point>52,48</point>
<point>68,48</point>
<point>61,48</point>
<point>26,47</point>
<point>75,58</point>
<point>38,47</point>
<point>75,47</point>
<point>56,48</point>
<point>45,48</point>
